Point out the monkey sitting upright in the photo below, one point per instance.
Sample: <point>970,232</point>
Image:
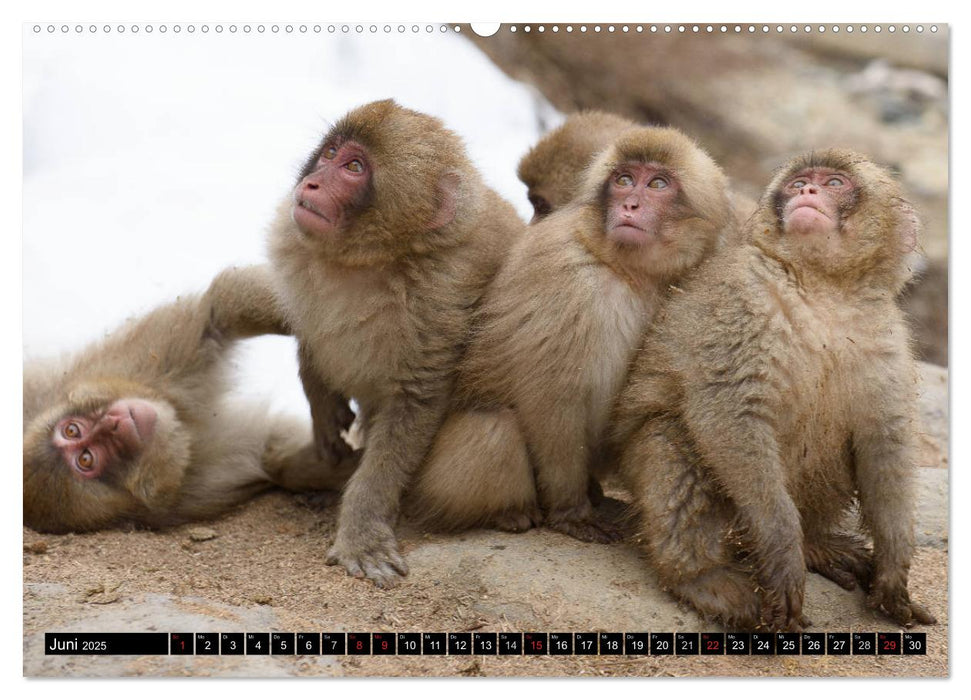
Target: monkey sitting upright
<point>556,332</point>
<point>382,252</point>
<point>135,428</point>
<point>774,392</point>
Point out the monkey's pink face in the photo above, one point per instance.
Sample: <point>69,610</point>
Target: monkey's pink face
<point>91,444</point>
<point>326,198</point>
<point>814,200</point>
<point>639,197</point>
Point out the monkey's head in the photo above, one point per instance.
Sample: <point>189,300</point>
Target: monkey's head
<point>385,182</point>
<point>841,215</point>
<point>552,170</point>
<point>662,202</point>
<point>109,451</point>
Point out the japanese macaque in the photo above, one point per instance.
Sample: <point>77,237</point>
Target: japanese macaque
<point>552,170</point>
<point>556,332</point>
<point>135,428</point>
<point>382,252</point>
<point>775,392</point>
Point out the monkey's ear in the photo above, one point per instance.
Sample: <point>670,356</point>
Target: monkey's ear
<point>448,191</point>
<point>908,226</point>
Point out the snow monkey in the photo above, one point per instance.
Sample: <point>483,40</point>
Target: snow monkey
<point>136,428</point>
<point>382,252</point>
<point>556,332</point>
<point>774,394</point>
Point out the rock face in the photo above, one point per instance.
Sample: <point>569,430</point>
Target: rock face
<point>754,100</point>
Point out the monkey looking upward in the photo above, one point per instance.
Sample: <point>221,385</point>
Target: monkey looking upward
<point>555,334</point>
<point>382,252</point>
<point>136,428</point>
<point>775,391</point>
<point>553,169</point>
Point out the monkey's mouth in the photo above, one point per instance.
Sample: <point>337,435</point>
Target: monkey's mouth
<point>628,233</point>
<point>309,206</point>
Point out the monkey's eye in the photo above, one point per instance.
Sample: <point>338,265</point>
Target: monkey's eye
<point>72,431</point>
<point>329,153</point>
<point>86,460</point>
<point>624,180</point>
<point>835,182</point>
<point>798,184</point>
<point>355,166</point>
<point>658,183</point>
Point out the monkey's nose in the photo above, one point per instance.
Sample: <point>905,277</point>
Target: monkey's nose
<point>809,189</point>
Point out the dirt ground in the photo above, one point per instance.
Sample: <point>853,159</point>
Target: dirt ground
<point>261,569</point>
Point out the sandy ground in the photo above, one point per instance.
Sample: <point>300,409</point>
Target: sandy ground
<point>261,569</point>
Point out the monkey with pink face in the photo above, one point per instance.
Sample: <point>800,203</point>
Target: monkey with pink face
<point>776,393</point>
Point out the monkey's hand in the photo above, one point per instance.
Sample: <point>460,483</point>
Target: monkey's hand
<point>841,558</point>
<point>368,550</point>
<point>583,523</point>
<point>783,580</point>
<point>889,596</point>
<point>330,418</point>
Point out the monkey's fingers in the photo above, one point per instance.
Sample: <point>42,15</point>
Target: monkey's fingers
<point>517,521</point>
<point>382,564</point>
<point>896,604</point>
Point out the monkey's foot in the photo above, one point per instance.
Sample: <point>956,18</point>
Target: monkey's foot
<point>377,560</point>
<point>517,521</point>
<point>841,558</point>
<point>893,600</point>
<point>583,523</point>
<point>724,594</point>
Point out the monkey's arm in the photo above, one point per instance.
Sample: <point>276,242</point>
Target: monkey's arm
<point>400,433</point>
<point>884,451</point>
<point>329,410</point>
<point>243,304</point>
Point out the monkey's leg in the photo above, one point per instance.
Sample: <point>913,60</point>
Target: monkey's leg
<point>883,447</point>
<point>558,446</point>
<point>399,434</point>
<point>732,429</point>
<point>687,526</point>
<point>329,410</point>
<point>290,460</point>
<point>477,474</point>
<point>243,303</point>
<point>840,557</point>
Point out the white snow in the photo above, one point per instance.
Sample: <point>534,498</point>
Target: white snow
<point>151,161</point>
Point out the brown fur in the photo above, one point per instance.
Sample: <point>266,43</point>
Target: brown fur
<point>552,169</point>
<point>383,307</point>
<point>206,454</point>
<point>775,391</point>
<point>552,344</point>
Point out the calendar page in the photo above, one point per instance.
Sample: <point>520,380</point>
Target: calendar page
<point>424,349</point>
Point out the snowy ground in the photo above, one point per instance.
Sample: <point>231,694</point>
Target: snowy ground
<point>151,161</point>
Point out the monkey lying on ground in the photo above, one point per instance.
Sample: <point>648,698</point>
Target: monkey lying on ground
<point>556,332</point>
<point>775,391</point>
<point>135,429</point>
<point>382,252</point>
